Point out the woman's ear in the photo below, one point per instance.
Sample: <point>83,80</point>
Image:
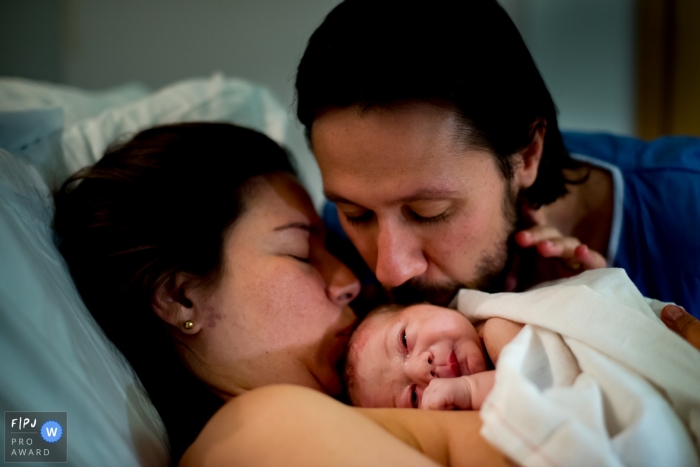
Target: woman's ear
<point>172,305</point>
<point>527,161</point>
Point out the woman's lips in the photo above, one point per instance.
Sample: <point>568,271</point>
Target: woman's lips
<point>339,344</point>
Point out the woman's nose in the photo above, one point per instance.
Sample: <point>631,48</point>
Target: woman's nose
<point>343,286</point>
<point>420,368</point>
<point>399,256</point>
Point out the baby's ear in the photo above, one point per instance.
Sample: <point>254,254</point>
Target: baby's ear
<point>172,304</point>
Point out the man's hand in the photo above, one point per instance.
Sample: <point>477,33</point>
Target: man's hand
<point>682,323</point>
<point>550,243</point>
<point>548,255</point>
<point>447,394</point>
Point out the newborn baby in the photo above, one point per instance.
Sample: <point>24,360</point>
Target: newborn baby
<point>593,378</point>
<point>424,356</point>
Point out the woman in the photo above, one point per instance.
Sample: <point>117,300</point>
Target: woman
<point>202,258</point>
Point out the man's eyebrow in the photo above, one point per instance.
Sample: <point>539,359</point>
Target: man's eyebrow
<point>426,194</point>
<point>294,225</point>
<point>333,198</point>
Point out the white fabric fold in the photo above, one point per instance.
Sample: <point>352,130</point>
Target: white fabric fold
<point>595,378</point>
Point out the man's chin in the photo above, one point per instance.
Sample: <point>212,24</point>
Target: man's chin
<point>417,292</point>
<point>442,294</point>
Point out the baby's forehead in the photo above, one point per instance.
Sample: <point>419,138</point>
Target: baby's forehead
<point>373,323</point>
<point>387,315</point>
<point>367,365</point>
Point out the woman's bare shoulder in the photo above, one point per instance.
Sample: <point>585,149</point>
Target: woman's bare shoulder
<point>291,425</point>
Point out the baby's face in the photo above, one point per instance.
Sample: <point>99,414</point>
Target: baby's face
<point>395,354</point>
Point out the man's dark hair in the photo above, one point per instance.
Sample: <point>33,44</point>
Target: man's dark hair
<point>156,205</point>
<point>467,53</point>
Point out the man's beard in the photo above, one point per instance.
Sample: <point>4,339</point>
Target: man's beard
<point>491,270</point>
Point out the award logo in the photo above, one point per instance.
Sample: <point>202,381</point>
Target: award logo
<point>36,437</point>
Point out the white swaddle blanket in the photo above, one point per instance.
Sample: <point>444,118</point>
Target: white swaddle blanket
<point>595,378</point>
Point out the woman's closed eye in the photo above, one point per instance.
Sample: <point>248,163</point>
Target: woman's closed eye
<point>293,240</point>
<point>298,249</point>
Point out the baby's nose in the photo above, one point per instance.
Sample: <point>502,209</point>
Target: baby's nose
<point>420,368</point>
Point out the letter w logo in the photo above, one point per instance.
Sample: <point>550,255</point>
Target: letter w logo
<point>52,432</point>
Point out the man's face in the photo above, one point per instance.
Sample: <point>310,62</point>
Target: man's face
<point>427,212</point>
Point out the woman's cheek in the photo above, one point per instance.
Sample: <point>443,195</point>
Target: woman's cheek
<point>301,294</point>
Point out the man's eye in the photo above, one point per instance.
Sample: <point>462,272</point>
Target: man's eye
<point>428,220</point>
<point>301,258</point>
<point>414,397</point>
<point>363,218</point>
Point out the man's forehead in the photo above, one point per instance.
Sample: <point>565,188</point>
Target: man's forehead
<point>361,169</point>
<point>400,113</point>
<point>416,133</point>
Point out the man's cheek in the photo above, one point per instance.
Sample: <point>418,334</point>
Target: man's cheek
<point>448,247</point>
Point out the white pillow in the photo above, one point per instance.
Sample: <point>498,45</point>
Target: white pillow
<point>214,99</point>
<point>92,121</point>
<point>55,358</point>
<point>18,94</point>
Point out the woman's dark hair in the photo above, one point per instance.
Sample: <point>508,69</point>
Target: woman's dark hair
<point>468,53</point>
<point>156,205</point>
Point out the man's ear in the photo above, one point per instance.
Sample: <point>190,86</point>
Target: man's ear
<point>526,162</point>
<point>172,305</point>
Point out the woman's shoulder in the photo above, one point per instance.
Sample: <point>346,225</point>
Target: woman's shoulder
<point>224,435</point>
<point>292,425</point>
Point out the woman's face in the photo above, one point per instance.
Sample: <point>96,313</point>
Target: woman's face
<point>279,313</point>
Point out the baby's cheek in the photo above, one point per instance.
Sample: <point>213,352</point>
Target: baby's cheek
<point>358,387</point>
<point>478,359</point>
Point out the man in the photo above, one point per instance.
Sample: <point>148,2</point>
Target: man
<point>438,142</point>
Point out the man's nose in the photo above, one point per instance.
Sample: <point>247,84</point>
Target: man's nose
<point>399,255</point>
<point>420,368</point>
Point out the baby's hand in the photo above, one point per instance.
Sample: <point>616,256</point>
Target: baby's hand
<point>447,394</point>
<point>464,393</point>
